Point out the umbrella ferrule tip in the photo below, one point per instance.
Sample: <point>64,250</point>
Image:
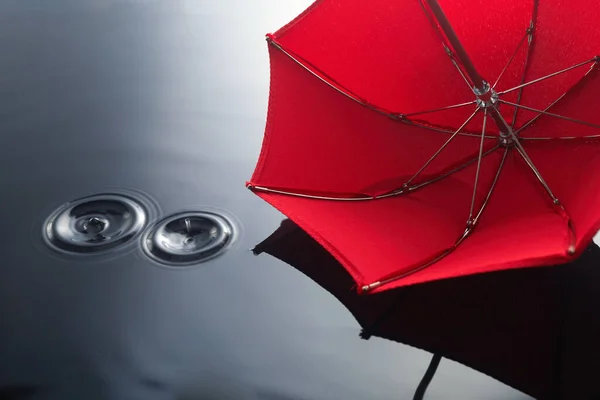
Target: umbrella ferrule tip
<point>368,288</point>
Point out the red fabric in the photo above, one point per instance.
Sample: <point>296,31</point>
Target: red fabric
<point>320,142</point>
<point>567,33</point>
<point>581,102</point>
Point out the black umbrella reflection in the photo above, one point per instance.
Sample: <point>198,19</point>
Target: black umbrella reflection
<point>535,329</point>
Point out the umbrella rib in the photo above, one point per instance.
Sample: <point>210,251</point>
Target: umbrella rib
<point>448,251</point>
<point>470,220</point>
<point>562,211</point>
<point>383,196</point>
<point>343,91</point>
<point>530,32</point>
<point>440,109</point>
<point>494,183</point>
<point>460,71</point>
<point>461,167</point>
<point>445,253</point>
<point>510,60</point>
<point>592,60</point>
<point>337,87</point>
<point>528,160</point>
<point>531,121</point>
<point>265,189</point>
<point>542,112</point>
<point>562,138</point>
<point>537,173</point>
<point>450,139</point>
<point>442,130</point>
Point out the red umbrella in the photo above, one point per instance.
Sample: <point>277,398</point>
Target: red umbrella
<point>421,140</point>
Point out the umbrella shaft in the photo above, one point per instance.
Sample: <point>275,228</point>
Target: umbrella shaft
<point>480,85</point>
<point>499,121</point>
<point>461,53</point>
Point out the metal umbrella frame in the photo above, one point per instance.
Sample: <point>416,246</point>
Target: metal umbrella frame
<point>486,101</point>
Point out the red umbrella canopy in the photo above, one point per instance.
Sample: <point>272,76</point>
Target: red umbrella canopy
<point>422,140</point>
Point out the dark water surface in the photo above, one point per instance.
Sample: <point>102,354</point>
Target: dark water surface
<point>168,99</point>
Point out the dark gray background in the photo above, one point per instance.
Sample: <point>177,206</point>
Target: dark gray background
<point>168,98</point>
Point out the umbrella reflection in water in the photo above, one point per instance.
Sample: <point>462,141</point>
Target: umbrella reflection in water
<point>535,329</point>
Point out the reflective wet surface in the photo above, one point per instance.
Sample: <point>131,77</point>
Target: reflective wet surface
<point>168,99</point>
